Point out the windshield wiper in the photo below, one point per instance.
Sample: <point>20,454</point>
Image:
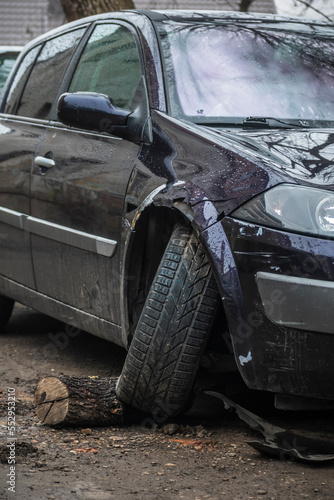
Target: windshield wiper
<point>262,122</point>
<point>270,122</point>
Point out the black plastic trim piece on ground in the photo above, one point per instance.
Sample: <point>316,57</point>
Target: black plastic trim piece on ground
<point>279,442</point>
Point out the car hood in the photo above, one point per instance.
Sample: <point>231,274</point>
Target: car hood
<point>307,156</point>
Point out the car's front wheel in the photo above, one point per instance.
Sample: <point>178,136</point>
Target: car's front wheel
<point>6,308</point>
<point>173,329</point>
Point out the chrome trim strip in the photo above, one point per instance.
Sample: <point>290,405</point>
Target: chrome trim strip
<point>61,234</point>
<point>12,218</point>
<point>24,119</point>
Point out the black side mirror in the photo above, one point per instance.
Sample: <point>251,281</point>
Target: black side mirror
<point>91,111</point>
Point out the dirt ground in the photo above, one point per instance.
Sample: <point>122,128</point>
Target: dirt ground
<point>202,456</point>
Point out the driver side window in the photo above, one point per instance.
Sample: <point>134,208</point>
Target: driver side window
<point>109,65</point>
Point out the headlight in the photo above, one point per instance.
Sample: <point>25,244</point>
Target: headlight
<point>294,208</point>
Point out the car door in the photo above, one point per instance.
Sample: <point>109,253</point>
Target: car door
<point>77,199</point>
<point>23,124</point>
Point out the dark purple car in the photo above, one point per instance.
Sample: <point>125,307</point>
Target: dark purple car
<point>167,183</point>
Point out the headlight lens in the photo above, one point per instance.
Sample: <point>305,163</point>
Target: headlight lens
<point>294,208</point>
<point>325,214</point>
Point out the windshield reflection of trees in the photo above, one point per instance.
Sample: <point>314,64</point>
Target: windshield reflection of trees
<point>248,71</point>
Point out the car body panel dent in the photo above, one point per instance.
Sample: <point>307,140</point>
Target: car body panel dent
<point>217,172</point>
<point>230,172</point>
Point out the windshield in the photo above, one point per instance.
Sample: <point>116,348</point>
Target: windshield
<point>220,71</point>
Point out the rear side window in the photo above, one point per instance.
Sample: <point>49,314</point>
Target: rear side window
<point>110,65</point>
<point>20,79</point>
<point>41,89</point>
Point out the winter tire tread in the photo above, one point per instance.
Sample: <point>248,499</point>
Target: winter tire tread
<point>172,331</point>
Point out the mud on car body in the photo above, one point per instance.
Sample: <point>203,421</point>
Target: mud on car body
<point>167,184</point>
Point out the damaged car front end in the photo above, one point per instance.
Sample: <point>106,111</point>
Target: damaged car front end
<point>259,189</point>
<point>180,173</point>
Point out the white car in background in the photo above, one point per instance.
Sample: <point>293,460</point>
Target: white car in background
<point>8,55</point>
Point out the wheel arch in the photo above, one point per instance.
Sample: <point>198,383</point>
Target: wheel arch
<point>147,241</point>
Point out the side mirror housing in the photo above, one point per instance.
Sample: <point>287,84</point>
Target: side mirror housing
<point>96,112</point>
<point>91,111</point>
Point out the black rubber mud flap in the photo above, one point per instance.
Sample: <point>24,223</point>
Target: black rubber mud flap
<point>172,331</point>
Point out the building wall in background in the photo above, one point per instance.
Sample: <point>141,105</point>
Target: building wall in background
<point>267,6</point>
<point>23,20</point>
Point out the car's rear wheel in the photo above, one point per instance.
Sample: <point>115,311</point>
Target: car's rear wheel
<point>6,308</point>
<point>173,329</point>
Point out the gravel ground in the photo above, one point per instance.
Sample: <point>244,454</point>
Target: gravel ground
<point>203,455</point>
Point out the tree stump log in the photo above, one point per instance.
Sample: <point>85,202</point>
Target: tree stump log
<point>78,401</point>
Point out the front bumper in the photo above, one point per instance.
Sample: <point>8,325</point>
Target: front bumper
<point>282,330</point>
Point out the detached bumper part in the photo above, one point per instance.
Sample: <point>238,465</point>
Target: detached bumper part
<point>300,303</point>
<point>279,442</point>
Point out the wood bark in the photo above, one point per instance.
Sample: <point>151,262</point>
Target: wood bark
<point>76,9</point>
<point>244,5</point>
<point>78,401</point>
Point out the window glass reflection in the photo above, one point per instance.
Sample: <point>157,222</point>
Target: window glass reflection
<point>225,71</point>
<point>20,79</point>
<point>42,86</point>
<point>109,65</point>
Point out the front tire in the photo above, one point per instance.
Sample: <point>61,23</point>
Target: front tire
<point>173,329</point>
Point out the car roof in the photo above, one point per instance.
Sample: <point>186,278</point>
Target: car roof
<point>216,15</point>
<point>183,16</point>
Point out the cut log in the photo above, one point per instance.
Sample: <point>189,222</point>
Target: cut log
<point>78,401</point>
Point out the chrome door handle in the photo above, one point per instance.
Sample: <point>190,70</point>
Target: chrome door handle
<point>42,161</point>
